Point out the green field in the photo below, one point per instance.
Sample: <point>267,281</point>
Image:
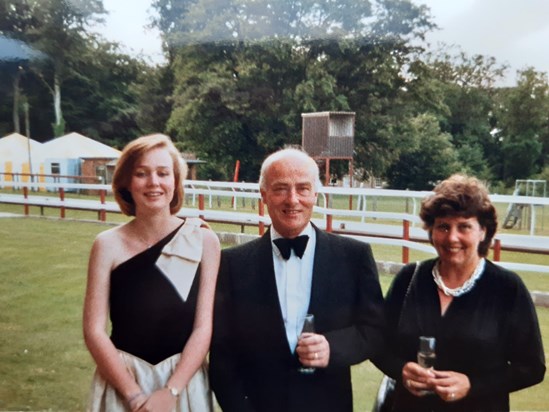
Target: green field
<point>44,364</point>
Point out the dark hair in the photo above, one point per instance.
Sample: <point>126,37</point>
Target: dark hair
<point>124,170</point>
<point>464,196</point>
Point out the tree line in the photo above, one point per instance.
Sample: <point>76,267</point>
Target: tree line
<point>240,73</point>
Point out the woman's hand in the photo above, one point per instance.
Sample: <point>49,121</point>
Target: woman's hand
<point>159,401</point>
<point>137,401</point>
<point>450,386</point>
<point>417,379</point>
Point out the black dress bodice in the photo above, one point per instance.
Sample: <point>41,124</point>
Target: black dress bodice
<point>149,318</point>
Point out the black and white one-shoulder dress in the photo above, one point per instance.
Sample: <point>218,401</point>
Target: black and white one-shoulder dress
<point>153,298</point>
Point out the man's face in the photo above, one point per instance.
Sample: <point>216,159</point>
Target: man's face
<point>290,195</point>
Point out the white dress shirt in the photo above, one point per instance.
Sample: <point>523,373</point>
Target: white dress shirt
<point>293,282</point>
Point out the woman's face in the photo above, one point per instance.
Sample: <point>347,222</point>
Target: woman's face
<point>153,183</point>
<point>456,239</point>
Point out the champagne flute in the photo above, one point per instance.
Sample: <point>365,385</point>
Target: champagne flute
<point>306,324</point>
<point>426,355</point>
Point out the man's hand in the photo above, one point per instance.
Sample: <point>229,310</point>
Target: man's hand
<point>313,350</point>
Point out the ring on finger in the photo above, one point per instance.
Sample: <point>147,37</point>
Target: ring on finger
<point>316,355</point>
<point>452,396</point>
<point>408,383</point>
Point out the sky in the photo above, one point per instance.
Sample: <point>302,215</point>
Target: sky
<point>514,32</point>
<point>127,23</point>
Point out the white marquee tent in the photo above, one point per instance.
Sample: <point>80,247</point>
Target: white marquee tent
<point>76,146</point>
<point>14,157</point>
<point>63,155</point>
<point>76,155</point>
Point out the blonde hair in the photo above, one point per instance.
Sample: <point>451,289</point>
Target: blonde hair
<point>125,166</point>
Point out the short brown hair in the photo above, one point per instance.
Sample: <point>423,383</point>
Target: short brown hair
<point>124,170</point>
<point>465,196</point>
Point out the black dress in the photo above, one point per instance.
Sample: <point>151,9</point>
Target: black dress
<point>491,334</point>
<point>149,318</point>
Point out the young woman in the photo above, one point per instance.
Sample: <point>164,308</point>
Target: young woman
<point>154,279</point>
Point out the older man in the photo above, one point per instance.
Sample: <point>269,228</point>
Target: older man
<point>265,288</point>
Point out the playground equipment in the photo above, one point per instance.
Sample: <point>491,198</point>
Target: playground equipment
<point>516,211</point>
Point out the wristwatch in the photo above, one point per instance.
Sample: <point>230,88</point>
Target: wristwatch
<point>173,391</point>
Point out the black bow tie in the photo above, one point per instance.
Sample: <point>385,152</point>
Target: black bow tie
<point>298,244</point>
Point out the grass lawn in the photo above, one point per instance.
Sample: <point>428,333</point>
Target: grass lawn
<point>44,364</point>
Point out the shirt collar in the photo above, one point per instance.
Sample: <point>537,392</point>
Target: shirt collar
<point>307,231</point>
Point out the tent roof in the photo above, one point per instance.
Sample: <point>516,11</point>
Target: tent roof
<point>74,145</point>
<point>13,50</point>
<point>15,148</point>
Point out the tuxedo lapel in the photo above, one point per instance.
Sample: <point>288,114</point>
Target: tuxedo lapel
<point>265,290</point>
<point>321,271</point>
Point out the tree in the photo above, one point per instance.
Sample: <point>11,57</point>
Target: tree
<point>468,89</point>
<point>154,105</point>
<point>245,71</point>
<point>429,159</point>
<point>187,22</point>
<point>454,66</point>
<point>58,29</point>
<point>100,96</point>
<point>524,123</point>
<point>15,56</point>
<point>15,63</point>
<point>107,78</point>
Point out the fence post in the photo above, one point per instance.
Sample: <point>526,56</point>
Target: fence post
<point>405,236</point>
<point>261,208</point>
<point>26,196</point>
<point>201,204</point>
<point>102,212</point>
<point>497,250</point>
<point>62,198</point>
<point>329,220</point>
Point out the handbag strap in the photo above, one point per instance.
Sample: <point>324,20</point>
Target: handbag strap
<point>412,279</point>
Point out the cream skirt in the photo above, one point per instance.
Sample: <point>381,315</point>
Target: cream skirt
<point>196,397</point>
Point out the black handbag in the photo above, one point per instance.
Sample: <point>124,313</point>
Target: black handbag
<point>385,395</point>
<point>386,392</point>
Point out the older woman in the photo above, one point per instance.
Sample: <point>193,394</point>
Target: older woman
<point>482,317</point>
<point>154,278</point>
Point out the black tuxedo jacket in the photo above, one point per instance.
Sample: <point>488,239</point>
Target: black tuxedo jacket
<point>251,365</point>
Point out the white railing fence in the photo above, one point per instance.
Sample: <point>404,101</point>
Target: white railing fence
<point>358,217</point>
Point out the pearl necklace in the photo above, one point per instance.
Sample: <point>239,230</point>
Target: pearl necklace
<point>463,289</point>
